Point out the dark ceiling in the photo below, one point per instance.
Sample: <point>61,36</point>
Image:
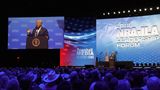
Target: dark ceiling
<point>70,7</point>
<point>91,4</point>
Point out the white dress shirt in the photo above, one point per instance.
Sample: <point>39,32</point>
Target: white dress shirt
<point>37,31</point>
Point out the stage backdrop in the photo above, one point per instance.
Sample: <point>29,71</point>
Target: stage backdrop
<point>134,39</point>
<point>17,31</point>
<point>80,42</point>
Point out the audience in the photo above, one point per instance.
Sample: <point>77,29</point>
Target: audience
<point>4,79</point>
<point>72,78</point>
<point>13,84</point>
<point>123,85</point>
<point>153,83</point>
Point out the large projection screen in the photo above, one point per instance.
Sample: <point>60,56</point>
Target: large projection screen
<point>53,27</point>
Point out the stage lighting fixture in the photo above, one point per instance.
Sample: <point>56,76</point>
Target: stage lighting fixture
<point>134,10</point>
<point>108,13</point>
<point>103,13</point>
<point>150,9</point>
<point>145,9</point>
<point>129,11</point>
<point>124,11</point>
<point>119,12</point>
<point>157,8</point>
<point>140,10</point>
<point>18,57</point>
<point>114,12</point>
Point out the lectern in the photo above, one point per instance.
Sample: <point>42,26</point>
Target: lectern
<point>111,62</point>
<point>39,42</point>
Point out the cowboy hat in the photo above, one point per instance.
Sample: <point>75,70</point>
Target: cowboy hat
<point>51,76</point>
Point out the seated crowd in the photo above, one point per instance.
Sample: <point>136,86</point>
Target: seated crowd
<point>71,78</point>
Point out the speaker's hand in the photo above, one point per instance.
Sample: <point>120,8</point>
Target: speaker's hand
<point>28,31</point>
<point>46,37</point>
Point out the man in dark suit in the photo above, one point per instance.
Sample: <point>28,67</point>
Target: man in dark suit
<point>39,32</point>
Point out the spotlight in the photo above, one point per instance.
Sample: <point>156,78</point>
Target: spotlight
<point>114,12</point>
<point>157,8</point>
<point>119,12</point>
<point>103,13</point>
<point>145,9</point>
<point>129,11</point>
<point>124,11</point>
<point>134,10</point>
<point>150,9</point>
<point>18,57</point>
<point>140,10</point>
<point>108,13</point>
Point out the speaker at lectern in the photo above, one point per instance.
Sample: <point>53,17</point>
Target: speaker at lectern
<point>38,38</point>
<point>112,60</point>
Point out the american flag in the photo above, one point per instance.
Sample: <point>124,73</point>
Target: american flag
<point>79,32</point>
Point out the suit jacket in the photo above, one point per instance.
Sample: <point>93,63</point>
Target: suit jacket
<point>43,32</point>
